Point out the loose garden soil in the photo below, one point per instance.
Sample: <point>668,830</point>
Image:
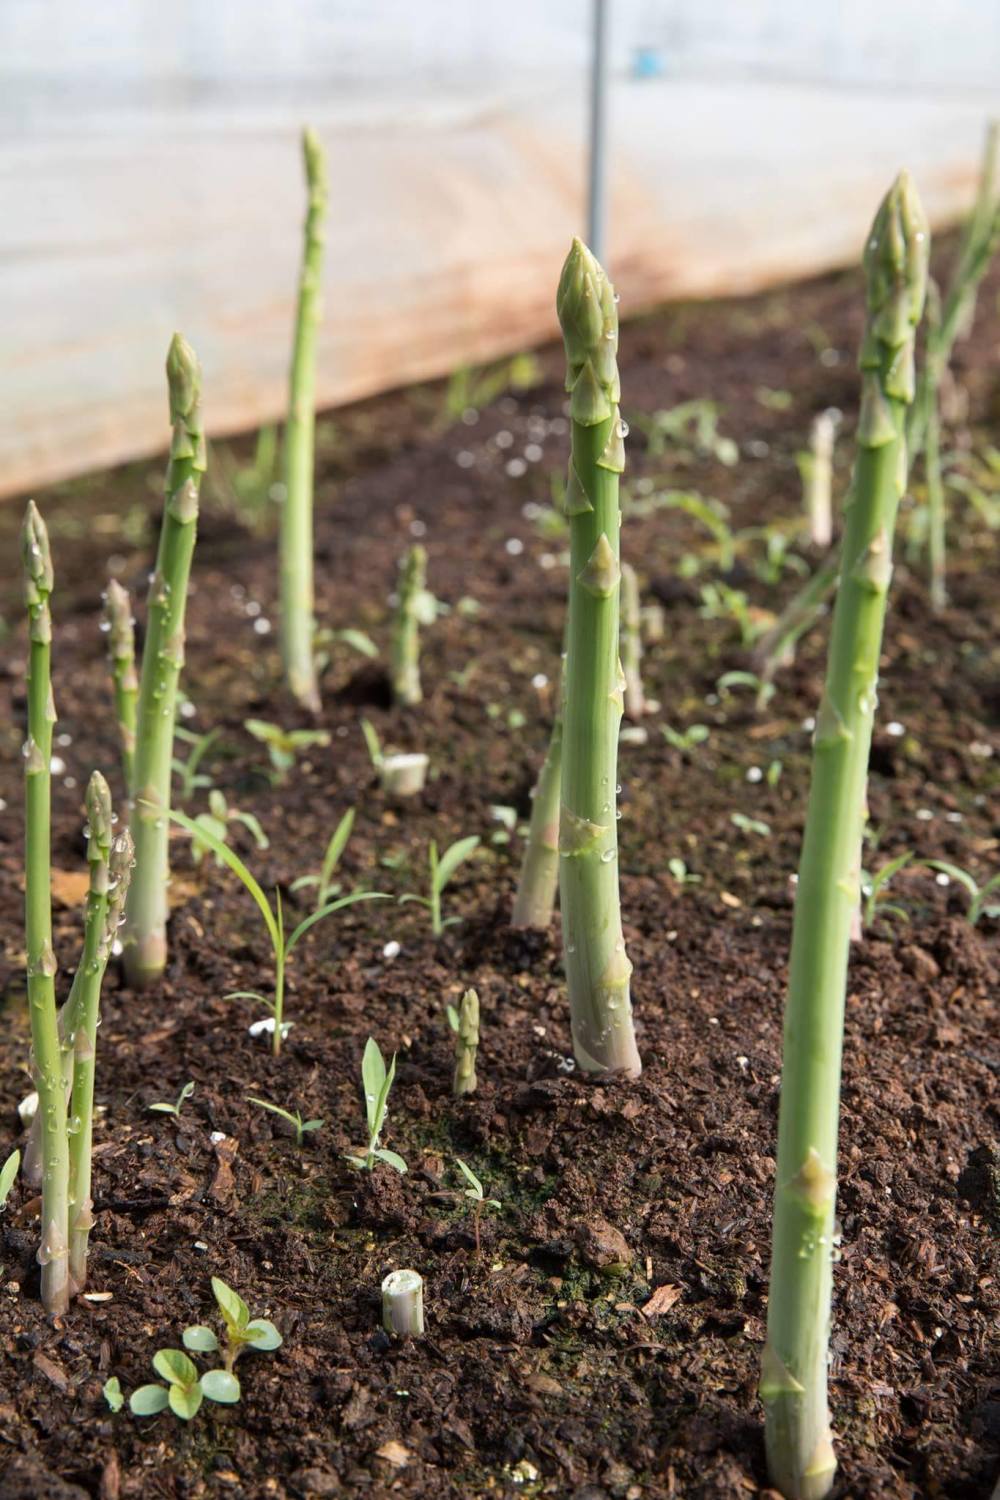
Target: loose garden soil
<point>606,1342</point>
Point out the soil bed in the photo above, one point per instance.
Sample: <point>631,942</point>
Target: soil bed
<point>606,1343</point>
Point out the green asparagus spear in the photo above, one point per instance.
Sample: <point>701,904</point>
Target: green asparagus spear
<point>297,601</point>
<point>539,878</point>
<point>631,644</point>
<point>794,1372</point>
<point>597,967</point>
<point>466,1045</point>
<point>120,626</point>
<point>162,658</point>
<point>53,1252</point>
<point>110,860</point>
<point>405,632</point>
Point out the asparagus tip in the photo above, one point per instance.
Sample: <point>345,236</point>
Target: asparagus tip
<point>183,378</point>
<point>99,814</point>
<point>896,261</point>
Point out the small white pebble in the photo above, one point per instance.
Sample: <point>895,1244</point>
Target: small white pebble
<point>713,1020</point>
<point>896,729</point>
<point>28,1108</point>
<point>548,560</point>
<point>953,817</point>
<point>924,815</point>
<point>262,626</point>
<point>57,765</point>
<point>538,1030</point>
<point>672,935</point>
<point>266,1027</point>
<point>743,1063</point>
<point>942,879</point>
<point>117,948</point>
<point>514,546</point>
<point>515,467</point>
<point>392,949</point>
<point>465,459</point>
<point>200,1245</point>
<point>539,681</point>
<point>64,740</point>
<point>188,709</point>
<point>980,750</point>
<point>754,773</point>
<point>217,1136</point>
<point>3,805</point>
<point>566,1064</point>
<point>809,724</point>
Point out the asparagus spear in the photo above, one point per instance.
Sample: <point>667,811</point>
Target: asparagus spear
<point>597,968</point>
<point>297,602</point>
<point>38,582</point>
<point>120,627</point>
<point>631,643</point>
<point>466,1045</point>
<point>794,1372</point>
<point>817,477</point>
<point>539,878</point>
<point>109,883</point>
<point>162,658</point>
<point>405,631</point>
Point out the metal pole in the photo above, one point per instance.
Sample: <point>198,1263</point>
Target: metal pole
<point>596,205</point>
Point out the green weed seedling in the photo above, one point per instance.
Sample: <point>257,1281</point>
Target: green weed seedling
<point>475,1193</point>
<point>376,1081</point>
<point>750,825</point>
<point>185,1389</point>
<point>242,1332</point>
<point>295,1120</point>
<point>873,891</point>
<point>217,820</point>
<point>441,870</point>
<point>681,873</point>
<point>978,894</point>
<point>284,745</point>
<point>325,888</point>
<point>186,771</point>
<point>8,1175</point>
<point>178,1104</point>
<point>685,739</point>
<point>281,946</point>
<point>112,1393</point>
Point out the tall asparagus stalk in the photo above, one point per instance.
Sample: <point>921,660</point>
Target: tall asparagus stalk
<point>297,602</point>
<point>597,967</point>
<point>120,627</point>
<point>793,1384</point>
<point>406,687</point>
<point>817,479</point>
<point>110,857</point>
<point>145,950</point>
<point>53,1252</point>
<point>539,878</point>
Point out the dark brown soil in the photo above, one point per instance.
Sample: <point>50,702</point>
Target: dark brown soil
<point>541,1373</point>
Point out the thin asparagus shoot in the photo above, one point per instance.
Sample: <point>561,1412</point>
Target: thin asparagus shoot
<point>53,1253</point>
<point>817,476</point>
<point>597,967</point>
<point>631,643</point>
<point>539,878</point>
<point>466,1045</point>
<point>296,545</point>
<point>120,627</point>
<point>406,687</point>
<point>145,947</point>
<point>793,1385</point>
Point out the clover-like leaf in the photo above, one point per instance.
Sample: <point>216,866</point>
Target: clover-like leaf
<point>220,1385</point>
<point>148,1400</point>
<point>232,1307</point>
<point>262,1334</point>
<point>199,1339</point>
<point>174,1365</point>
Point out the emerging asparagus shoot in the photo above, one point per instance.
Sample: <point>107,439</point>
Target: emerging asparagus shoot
<point>145,951</point>
<point>465,1023</point>
<point>406,687</point>
<point>297,601</point>
<point>793,1383</point>
<point>539,878</point>
<point>597,967</point>
<point>120,627</point>
<point>631,643</point>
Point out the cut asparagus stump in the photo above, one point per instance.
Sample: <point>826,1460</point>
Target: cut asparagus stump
<point>120,627</point>
<point>406,687</point>
<point>597,967</point>
<point>53,1253</point>
<point>631,644</point>
<point>793,1383</point>
<point>466,1045</point>
<point>296,545</point>
<point>145,948</point>
<point>403,1304</point>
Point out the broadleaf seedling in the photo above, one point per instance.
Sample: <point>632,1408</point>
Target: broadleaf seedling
<point>440,872</point>
<point>240,1331</point>
<point>323,882</point>
<point>187,771</point>
<point>217,820</point>
<point>295,1120</point>
<point>873,886</point>
<point>476,1194</point>
<point>178,1104</point>
<point>978,894</point>
<point>376,1080</point>
<point>112,1393</point>
<point>281,946</point>
<point>284,745</point>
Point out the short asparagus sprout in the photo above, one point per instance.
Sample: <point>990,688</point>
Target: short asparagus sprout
<point>112,1393</point>
<point>539,878</point>
<point>187,772</point>
<point>406,687</point>
<point>281,946</point>
<point>653,623</point>
<point>145,943</point>
<point>284,745</point>
<point>816,468</point>
<point>441,870</point>
<point>178,1104</point>
<point>376,1081</point>
<point>464,1022</point>
<point>685,739</point>
<point>403,1304</point>
<point>8,1175</point>
<point>120,627</point>
<point>299,1126</point>
<point>217,820</point>
<point>324,882</point>
<point>873,888</point>
<point>631,643</point>
<point>296,549</point>
<point>978,894</point>
<point>475,1193</point>
<point>241,1332</point>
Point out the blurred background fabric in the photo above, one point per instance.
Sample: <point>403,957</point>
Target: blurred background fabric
<point>152,180</point>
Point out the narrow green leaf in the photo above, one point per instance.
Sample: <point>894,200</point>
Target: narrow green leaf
<point>372,1079</point>
<point>470,1177</point>
<point>954,872</point>
<point>325,911</point>
<point>220,1385</point>
<point>148,1400</point>
<point>336,846</point>
<point>452,858</point>
<point>8,1172</point>
<point>373,742</point>
<point>226,855</point>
